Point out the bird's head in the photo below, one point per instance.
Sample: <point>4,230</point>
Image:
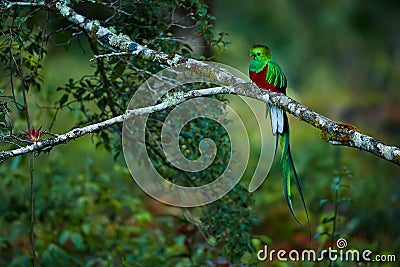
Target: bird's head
<point>260,52</point>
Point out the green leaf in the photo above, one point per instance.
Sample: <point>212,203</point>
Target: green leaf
<point>77,241</point>
<point>247,257</point>
<point>63,99</point>
<point>344,200</point>
<point>317,235</point>
<point>120,68</point>
<point>323,201</point>
<point>264,239</point>
<point>64,237</point>
<point>328,219</point>
<point>176,250</point>
<point>21,20</point>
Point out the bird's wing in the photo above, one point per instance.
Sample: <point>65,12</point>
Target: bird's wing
<point>275,75</point>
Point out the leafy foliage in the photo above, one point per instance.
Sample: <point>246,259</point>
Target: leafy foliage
<point>85,219</point>
<point>338,199</point>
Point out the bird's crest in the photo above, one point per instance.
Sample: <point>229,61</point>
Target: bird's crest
<point>262,47</point>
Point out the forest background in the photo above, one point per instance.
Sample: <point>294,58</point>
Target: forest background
<point>341,58</point>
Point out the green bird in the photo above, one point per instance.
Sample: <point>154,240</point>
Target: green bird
<point>267,74</point>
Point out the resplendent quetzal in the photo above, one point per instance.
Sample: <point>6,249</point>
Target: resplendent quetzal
<point>268,75</point>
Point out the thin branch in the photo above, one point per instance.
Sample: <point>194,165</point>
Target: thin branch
<point>6,138</point>
<point>32,202</point>
<point>31,177</point>
<point>109,55</point>
<point>27,4</point>
<point>103,75</point>
<point>18,105</point>
<point>43,40</point>
<point>10,142</point>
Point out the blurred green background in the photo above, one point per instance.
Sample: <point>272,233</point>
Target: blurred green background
<point>341,58</point>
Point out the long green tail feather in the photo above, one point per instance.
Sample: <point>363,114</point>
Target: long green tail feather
<point>289,171</point>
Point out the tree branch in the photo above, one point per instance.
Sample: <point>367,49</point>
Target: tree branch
<point>47,144</point>
<point>9,4</point>
<point>334,132</point>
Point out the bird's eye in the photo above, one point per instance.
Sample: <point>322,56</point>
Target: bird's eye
<point>258,54</point>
